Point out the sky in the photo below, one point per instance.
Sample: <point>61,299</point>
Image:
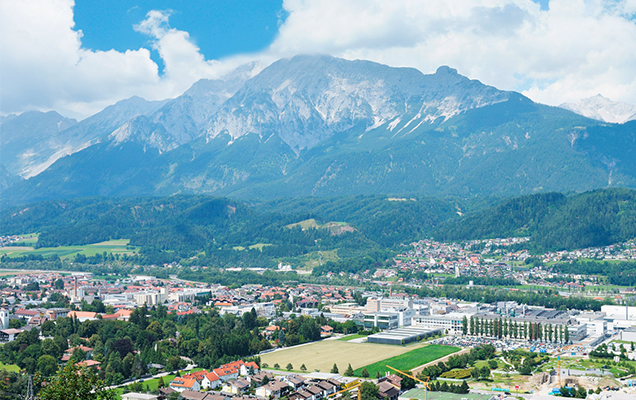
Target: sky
<point>77,57</point>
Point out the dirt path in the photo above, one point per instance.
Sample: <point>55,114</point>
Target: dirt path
<point>419,369</point>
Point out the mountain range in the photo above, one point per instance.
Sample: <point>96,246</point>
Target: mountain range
<point>321,126</point>
<point>603,109</point>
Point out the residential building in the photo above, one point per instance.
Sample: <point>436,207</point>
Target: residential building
<point>139,396</point>
<point>181,384</point>
<point>275,389</point>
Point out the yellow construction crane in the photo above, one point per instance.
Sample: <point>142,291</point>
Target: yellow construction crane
<point>347,388</point>
<point>425,382</point>
<point>561,350</point>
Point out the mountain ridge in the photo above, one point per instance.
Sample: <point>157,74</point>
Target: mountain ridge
<point>323,126</point>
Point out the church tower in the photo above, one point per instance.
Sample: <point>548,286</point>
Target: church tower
<point>4,316</point>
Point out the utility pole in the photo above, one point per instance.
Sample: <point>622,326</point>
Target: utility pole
<point>30,395</point>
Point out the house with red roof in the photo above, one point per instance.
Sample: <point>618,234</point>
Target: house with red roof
<point>326,331</point>
<point>181,384</point>
<point>210,380</point>
<point>83,315</point>
<point>225,374</point>
<point>199,375</point>
<point>89,363</point>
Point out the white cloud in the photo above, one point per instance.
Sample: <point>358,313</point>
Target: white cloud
<point>43,64</point>
<point>576,49</point>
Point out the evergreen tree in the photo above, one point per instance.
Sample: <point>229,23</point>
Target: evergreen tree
<point>348,371</point>
<point>368,391</point>
<point>334,369</point>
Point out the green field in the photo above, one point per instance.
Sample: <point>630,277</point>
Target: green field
<point>407,361</point>
<point>28,240</point>
<point>322,355</point>
<point>10,367</point>
<point>152,384</point>
<point>313,259</point>
<point>112,246</point>
<point>351,337</point>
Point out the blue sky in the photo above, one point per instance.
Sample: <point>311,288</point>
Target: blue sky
<point>218,28</point>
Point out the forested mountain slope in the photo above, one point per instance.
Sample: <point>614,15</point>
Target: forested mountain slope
<point>553,221</point>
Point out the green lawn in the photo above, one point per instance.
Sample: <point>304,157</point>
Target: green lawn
<point>152,384</point>
<point>10,367</point>
<point>112,246</point>
<point>409,360</point>
<point>350,337</point>
<point>313,259</point>
<point>484,363</point>
<point>28,240</point>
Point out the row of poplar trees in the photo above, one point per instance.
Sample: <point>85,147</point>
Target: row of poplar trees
<point>505,328</point>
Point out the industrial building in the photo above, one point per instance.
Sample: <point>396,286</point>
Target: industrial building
<point>403,335</point>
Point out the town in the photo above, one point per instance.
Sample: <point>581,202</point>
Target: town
<point>286,361</point>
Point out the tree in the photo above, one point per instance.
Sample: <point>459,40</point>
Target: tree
<point>59,284</point>
<point>160,383</point>
<point>581,393</point>
<point>334,369</point>
<point>464,325</point>
<point>74,382</point>
<point>348,371</point>
<point>47,365</point>
<point>276,366</point>
<point>368,391</point>
<point>484,372</point>
<point>364,373</point>
<point>407,383</point>
<point>289,366</point>
<point>303,368</point>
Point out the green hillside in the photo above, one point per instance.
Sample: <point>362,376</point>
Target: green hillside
<point>553,221</point>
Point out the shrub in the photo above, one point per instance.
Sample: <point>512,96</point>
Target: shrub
<point>457,374</point>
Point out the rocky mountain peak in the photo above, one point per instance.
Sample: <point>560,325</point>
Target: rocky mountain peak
<point>603,109</point>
